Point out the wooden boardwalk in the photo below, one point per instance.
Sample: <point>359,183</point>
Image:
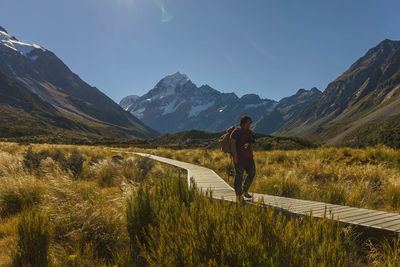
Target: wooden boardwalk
<point>208,179</point>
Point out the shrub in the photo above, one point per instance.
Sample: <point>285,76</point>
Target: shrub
<point>95,159</point>
<point>58,156</point>
<point>33,240</point>
<point>141,213</point>
<point>106,174</point>
<point>32,159</point>
<point>144,166</point>
<point>75,163</point>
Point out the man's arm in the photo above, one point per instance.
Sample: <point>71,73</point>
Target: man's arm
<point>234,152</point>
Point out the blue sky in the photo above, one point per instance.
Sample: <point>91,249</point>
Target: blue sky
<point>268,47</point>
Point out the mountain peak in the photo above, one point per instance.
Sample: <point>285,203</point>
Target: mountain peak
<point>11,42</point>
<point>384,47</point>
<point>3,30</point>
<point>315,90</point>
<point>174,80</point>
<point>312,90</point>
<point>301,91</point>
<point>250,98</point>
<point>387,44</point>
<point>388,41</point>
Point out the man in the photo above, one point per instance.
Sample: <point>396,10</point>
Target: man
<point>242,141</point>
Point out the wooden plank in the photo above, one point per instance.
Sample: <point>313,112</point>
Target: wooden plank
<point>389,222</point>
<point>376,223</point>
<point>372,218</point>
<point>363,215</point>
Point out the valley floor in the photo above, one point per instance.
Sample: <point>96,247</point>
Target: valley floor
<point>364,178</point>
<point>64,205</point>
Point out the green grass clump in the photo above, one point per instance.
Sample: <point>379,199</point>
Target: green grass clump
<point>33,240</point>
<point>173,225</point>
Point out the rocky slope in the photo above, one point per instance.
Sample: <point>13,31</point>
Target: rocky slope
<point>44,74</point>
<point>369,91</point>
<point>286,109</point>
<point>23,113</point>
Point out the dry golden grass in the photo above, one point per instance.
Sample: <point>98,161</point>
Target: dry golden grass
<point>87,212</point>
<point>365,178</point>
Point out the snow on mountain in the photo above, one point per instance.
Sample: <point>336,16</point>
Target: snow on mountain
<point>127,101</point>
<point>172,81</point>
<point>199,108</point>
<point>177,104</point>
<point>12,42</point>
<point>257,105</point>
<point>41,72</point>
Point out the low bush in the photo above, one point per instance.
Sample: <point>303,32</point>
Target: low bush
<point>32,159</point>
<point>75,163</point>
<point>144,166</point>
<point>106,174</point>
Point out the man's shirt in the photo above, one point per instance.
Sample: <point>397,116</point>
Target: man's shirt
<point>243,138</point>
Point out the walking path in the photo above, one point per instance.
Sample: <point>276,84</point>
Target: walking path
<point>208,179</point>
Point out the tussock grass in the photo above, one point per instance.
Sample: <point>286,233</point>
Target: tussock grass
<point>129,211</point>
<point>365,178</point>
<point>173,225</point>
<point>19,193</point>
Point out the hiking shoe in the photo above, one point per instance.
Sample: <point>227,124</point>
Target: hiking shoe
<point>246,194</point>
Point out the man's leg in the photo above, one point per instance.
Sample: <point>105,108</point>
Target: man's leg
<point>238,178</point>
<point>251,172</point>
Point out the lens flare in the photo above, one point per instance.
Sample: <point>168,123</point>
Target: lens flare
<point>165,15</point>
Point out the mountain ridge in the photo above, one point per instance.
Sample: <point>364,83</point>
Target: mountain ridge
<point>176,104</point>
<point>356,97</point>
<point>176,97</point>
<point>43,73</point>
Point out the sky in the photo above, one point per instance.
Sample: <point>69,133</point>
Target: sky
<point>267,47</point>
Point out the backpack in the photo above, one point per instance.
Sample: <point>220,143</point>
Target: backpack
<point>225,140</point>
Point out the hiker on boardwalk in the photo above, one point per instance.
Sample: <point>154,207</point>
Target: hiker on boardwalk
<point>242,140</point>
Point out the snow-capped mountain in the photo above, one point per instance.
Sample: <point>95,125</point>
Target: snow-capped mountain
<point>128,101</point>
<point>41,72</point>
<point>176,104</point>
<point>20,47</point>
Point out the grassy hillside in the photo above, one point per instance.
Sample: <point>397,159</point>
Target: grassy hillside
<point>376,133</point>
<point>88,206</point>
<point>202,139</point>
<point>192,139</point>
